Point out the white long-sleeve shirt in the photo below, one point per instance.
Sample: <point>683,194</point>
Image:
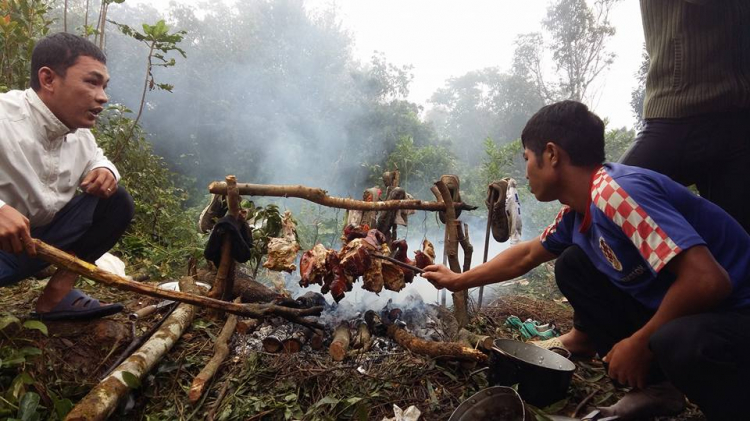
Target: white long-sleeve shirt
<point>42,161</point>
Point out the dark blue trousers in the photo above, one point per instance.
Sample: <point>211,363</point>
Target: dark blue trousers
<point>704,355</point>
<point>87,227</point>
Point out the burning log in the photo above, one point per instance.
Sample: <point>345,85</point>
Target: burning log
<point>247,326</point>
<point>221,350</point>
<point>451,350</point>
<point>321,197</point>
<point>311,299</point>
<point>61,259</point>
<point>274,343</point>
<point>362,339</point>
<point>340,344</point>
<point>375,323</point>
<point>316,340</point>
<point>296,340</point>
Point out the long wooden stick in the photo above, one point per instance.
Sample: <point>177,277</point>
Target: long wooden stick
<point>221,350</point>
<point>61,259</point>
<point>460,301</point>
<point>321,197</point>
<point>397,262</point>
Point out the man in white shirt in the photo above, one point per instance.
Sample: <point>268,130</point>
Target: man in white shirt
<point>48,154</point>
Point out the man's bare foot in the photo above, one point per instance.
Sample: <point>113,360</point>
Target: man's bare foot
<point>578,343</point>
<point>58,286</point>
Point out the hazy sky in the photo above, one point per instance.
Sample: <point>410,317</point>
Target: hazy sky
<point>444,39</point>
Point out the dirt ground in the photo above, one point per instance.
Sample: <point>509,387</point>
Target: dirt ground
<point>265,386</point>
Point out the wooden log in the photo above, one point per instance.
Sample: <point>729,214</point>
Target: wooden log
<point>375,324</point>
<point>221,350</point>
<point>102,400</point>
<point>340,344</point>
<point>321,197</point>
<point>475,341</point>
<point>460,298</point>
<point>247,326</point>
<point>448,350</point>
<point>296,340</point>
<point>316,341</point>
<point>362,339</point>
<point>61,259</point>
<point>273,342</point>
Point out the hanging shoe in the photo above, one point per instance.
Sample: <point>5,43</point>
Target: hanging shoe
<point>496,195</point>
<point>216,209</point>
<point>451,181</point>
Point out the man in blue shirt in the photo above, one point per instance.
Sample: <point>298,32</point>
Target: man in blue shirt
<point>659,278</point>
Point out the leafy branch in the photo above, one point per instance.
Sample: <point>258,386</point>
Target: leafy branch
<point>160,42</point>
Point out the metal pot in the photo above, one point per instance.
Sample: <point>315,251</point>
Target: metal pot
<point>543,376</point>
<point>497,403</point>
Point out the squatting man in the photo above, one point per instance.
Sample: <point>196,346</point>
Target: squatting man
<point>55,182</point>
<point>658,277</point>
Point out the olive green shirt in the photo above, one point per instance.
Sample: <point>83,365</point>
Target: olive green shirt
<point>700,56</point>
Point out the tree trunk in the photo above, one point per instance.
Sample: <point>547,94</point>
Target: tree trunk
<point>102,400</point>
<point>321,197</point>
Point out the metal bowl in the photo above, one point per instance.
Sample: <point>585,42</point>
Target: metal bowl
<point>497,403</point>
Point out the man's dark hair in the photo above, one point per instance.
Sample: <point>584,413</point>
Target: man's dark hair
<point>59,52</point>
<point>570,125</point>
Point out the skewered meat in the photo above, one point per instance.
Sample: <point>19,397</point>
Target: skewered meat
<point>373,278</point>
<point>393,277</point>
<point>312,266</point>
<point>375,238</point>
<point>282,252</point>
<point>401,247</point>
<point>426,256</point>
<point>355,257</point>
<point>354,231</point>
<point>337,281</point>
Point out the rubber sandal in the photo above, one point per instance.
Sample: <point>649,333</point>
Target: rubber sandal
<point>495,201</point>
<point>78,306</point>
<point>451,181</point>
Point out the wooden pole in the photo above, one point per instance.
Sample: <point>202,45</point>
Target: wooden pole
<point>486,251</point>
<point>460,302</point>
<point>61,259</point>
<point>321,197</point>
<point>221,350</point>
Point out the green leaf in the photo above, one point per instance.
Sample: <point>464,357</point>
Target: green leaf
<point>7,320</point>
<point>30,351</point>
<point>290,397</point>
<point>327,400</point>
<point>131,380</point>
<point>36,325</point>
<point>28,406</point>
<point>556,407</point>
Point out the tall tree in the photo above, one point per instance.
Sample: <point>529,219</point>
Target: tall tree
<point>578,36</point>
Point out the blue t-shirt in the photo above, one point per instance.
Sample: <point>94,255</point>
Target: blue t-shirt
<point>638,220</point>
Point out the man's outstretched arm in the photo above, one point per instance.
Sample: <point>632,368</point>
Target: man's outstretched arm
<point>509,264</point>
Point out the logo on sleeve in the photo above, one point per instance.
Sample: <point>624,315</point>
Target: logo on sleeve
<point>609,254</point>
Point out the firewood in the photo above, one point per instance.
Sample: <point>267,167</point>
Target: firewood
<point>475,341</point>
<point>221,350</point>
<point>449,350</point>
<point>375,324</point>
<point>273,343</point>
<point>296,340</point>
<point>363,338</point>
<point>340,344</point>
<point>247,326</point>
<point>316,341</point>
<point>69,262</point>
<point>320,196</point>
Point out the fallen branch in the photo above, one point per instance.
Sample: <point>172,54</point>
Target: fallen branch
<point>321,197</point>
<point>102,400</point>
<point>221,350</point>
<point>450,350</point>
<point>61,259</point>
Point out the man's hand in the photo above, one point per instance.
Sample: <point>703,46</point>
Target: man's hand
<point>15,232</point>
<point>630,361</point>
<point>100,182</point>
<point>442,277</point>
